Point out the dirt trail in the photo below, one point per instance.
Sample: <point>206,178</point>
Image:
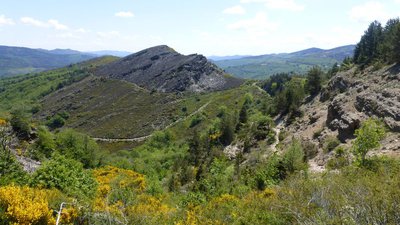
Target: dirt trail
<point>143,138</point>
<point>277,129</point>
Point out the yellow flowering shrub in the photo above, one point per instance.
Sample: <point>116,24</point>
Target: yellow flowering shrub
<point>150,209</point>
<point>3,122</point>
<point>25,205</point>
<point>114,184</point>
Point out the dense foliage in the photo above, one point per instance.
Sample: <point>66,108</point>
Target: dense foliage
<point>379,44</point>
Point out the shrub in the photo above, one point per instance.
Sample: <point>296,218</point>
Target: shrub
<point>196,119</point>
<point>367,138</point>
<point>330,144</point>
<point>25,205</point>
<point>77,146</point>
<point>310,149</point>
<point>66,175</point>
<point>20,123</point>
<point>293,158</point>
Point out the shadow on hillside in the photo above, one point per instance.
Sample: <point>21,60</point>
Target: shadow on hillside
<point>394,70</point>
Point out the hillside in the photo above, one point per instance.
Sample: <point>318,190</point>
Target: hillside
<point>163,69</point>
<point>27,90</point>
<point>18,60</point>
<point>263,66</point>
<point>348,99</point>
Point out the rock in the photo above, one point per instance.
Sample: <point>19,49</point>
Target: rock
<point>344,122</point>
<point>382,104</point>
<point>163,69</point>
<point>338,84</point>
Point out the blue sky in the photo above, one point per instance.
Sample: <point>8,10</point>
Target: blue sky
<point>209,27</point>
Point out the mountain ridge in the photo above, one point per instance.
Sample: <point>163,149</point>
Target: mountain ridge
<point>163,69</point>
<point>263,66</point>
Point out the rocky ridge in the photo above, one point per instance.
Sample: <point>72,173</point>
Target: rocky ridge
<point>163,69</point>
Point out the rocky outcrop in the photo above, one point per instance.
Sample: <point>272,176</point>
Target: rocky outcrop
<point>338,84</point>
<point>163,69</point>
<point>384,104</point>
<point>342,120</point>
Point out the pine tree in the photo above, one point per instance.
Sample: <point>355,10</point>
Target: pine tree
<point>367,49</point>
<point>314,79</point>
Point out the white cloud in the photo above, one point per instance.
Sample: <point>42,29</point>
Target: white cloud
<point>290,5</point>
<point>124,14</point>
<point>369,12</point>
<point>57,25</point>
<point>257,25</point>
<point>52,23</point>
<point>33,22</point>
<point>5,21</point>
<point>235,10</point>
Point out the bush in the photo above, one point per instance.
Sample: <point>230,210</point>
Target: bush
<point>367,138</point>
<point>67,175</point>
<point>196,119</point>
<point>20,124</point>
<point>56,122</point>
<point>310,149</point>
<point>45,144</point>
<point>293,158</point>
<point>330,144</point>
<point>77,146</point>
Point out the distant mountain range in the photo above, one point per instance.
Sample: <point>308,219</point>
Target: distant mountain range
<point>220,58</point>
<point>110,52</point>
<point>20,60</point>
<point>260,67</point>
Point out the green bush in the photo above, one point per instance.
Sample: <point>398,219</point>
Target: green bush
<point>196,119</point>
<point>368,137</point>
<point>293,158</point>
<point>77,146</point>
<point>330,144</point>
<point>44,146</point>
<point>67,175</point>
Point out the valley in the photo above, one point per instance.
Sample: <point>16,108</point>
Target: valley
<point>160,137</point>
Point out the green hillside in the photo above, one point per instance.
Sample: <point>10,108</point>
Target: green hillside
<point>27,90</point>
<point>18,60</point>
<point>261,67</point>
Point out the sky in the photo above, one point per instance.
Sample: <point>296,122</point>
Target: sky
<point>208,27</point>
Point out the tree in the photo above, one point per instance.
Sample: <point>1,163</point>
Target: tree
<point>293,159</point>
<point>390,40</point>
<point>367,138</point>
<point>227,129</point>
<point>243,114</point>
<point>20,123</point>
<point>77,146</point>
<point>367,49</point>
<point>314,79</point>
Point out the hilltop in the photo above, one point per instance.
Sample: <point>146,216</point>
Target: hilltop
<point>163,69</point>
<point>263,66</point>
<point>19,60</point>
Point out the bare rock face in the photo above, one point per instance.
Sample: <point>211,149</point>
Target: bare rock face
<point>163,69</point>
<point>384,104</point>
<point>338,84</point>
<point>342,120</point>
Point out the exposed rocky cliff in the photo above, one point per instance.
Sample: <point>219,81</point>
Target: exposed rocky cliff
<point>349,98</point>
<point>163,69</point>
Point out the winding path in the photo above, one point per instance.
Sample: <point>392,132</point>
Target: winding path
<point>277,129</point>
<point>143,138</point>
